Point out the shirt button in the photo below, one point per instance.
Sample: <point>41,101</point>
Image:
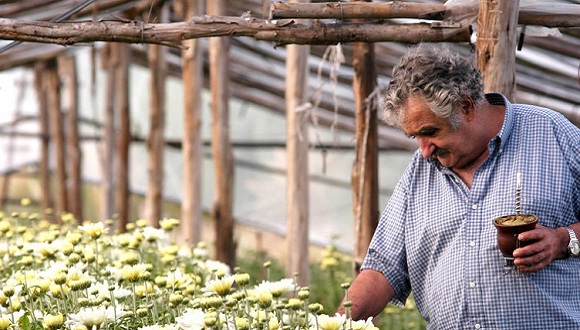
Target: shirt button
<point>472,243</point>
<point>474,206</point>
<point>472,284</point>
<point>477,326</point>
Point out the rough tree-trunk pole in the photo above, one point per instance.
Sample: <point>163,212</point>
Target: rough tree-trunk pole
<point>56,123</point>
<point>297,190</point>
<point>43,114</point>
<point>67,65</point>
<point>496,45</point>
<point>122,107</point>
<point>158,71</point>
<point>192,76</point>
<point>222,213</point>
<point>108,61</point>
<point>365,173</point>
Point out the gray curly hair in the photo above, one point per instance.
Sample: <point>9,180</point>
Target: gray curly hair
<point>442,77</point>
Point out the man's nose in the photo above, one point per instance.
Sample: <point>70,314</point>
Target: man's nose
<point>427,147</point>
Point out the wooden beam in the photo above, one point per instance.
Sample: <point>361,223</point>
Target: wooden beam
<point>539,15</point>
<point>281,32</point>
<point>354,10</point>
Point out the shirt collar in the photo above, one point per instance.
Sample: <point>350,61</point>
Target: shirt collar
<point>508,121</point>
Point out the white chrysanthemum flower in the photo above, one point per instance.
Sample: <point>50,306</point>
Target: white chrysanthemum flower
<point>116,273</point>
<point>169,224</point>
<point>54,267</point>
<point>274,323</point>
<point>5,322</point>
<point>135,273</point>
<point>362,324</point>
<point>94,316</point>
<point>217,267</point>
<point>76,273</point>
<point>94,230</point>
<point>277,288</point>
<point>171,249</point>
<point>326,322</point>
<point>221,286</point>
<point>103,291</point>
<point>53,321</point>
<point>15,285</point>
<point>185,252</point>
<point>151,234</point>
<point>192,319</point>
<point>178,280</point>
<point>200,253</point>
<point>43,249</point>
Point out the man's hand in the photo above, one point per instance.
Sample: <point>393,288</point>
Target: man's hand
<point>550,244</point>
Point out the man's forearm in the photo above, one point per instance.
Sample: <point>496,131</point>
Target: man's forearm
<point>368,295</point>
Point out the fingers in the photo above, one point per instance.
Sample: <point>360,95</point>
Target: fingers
<point>540,251</point>
<point>532,262</point>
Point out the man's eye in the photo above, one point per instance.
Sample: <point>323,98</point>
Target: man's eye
<point>429,132</point>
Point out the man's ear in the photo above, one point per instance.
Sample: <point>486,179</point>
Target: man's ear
<point>468,109</point>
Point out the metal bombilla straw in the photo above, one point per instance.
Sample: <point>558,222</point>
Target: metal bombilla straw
<point>510,261</point>
<point>518,193</point>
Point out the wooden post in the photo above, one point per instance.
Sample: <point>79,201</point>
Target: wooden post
<point>221,146</point>
<point>496,45</point>
<point>297,192</point>
<point>108,61</point>
<point>192,76</point>
<point>68,69</point>
<point>365,173</point>
<point>122,107</point>
<point>43,114</point>
<point>56,122</point>
<point>155,143</point>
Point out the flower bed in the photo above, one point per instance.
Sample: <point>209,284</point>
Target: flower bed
<point>80,277</point>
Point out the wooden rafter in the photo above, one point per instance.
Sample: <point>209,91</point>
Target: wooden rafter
<point>378,10</point>
<point>281,32</point>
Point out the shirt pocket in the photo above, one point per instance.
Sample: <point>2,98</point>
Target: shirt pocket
<point>549,212</point>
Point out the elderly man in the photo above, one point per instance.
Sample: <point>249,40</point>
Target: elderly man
<point>436,236</point>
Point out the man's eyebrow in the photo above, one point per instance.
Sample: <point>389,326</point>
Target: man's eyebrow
<point>423,131</point>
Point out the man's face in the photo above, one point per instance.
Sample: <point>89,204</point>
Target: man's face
<point>453,149</point>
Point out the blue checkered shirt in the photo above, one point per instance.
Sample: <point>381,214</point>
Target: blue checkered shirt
<point>436,237</point>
